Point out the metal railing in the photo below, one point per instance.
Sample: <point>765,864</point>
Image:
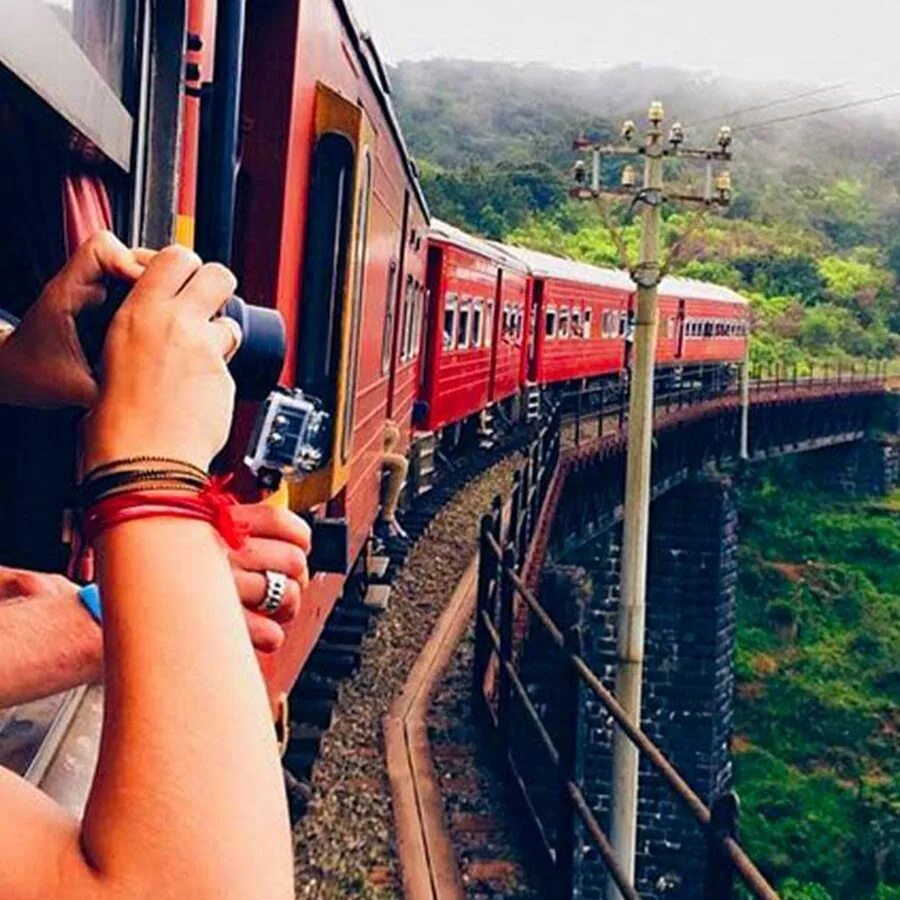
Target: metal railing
<point>501,698</point>
<point>604,403</point>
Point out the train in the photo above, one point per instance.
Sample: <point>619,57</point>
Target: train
<point>264,135</point>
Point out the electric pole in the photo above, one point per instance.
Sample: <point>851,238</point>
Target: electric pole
<point>647,274</point>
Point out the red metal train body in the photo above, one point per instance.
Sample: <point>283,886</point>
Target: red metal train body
<point>264,134</point>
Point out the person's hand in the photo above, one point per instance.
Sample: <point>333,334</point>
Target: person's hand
<point>165,390</point>
<point>23,583</point>
<point>278,541</point>
<point>42,363</point>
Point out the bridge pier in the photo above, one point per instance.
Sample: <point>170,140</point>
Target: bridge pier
<point>688,682</point>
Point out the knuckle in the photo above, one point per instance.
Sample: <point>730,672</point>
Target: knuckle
<point>295,561</point>
<point>178,253</point>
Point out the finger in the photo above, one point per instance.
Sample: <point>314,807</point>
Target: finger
<point>265,635</point>
<point>264,520</point>
<point>227,336</point>
<point>270,554</point>
<point>251,588</point>
<point>144,255</point>
<point>167,273</point>
<point>208,290</point>
<point>101,256</point>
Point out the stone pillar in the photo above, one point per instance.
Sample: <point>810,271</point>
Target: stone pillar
<point>688,683</point>
<point>868,468</point>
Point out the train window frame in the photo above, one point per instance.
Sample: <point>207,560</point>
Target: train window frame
<point>451,306</point>
<point>576,322</point>
<point>362,216</point>
<point>409,319</point>
<point>418,316</point>
<point>477,326</point>
<point>563,328</point>
<point>389,310</point>
<point>489,324</point>
<point>550,323</point>
<point>464,324</point>
<point>586,323</point>
<point>41,53</point>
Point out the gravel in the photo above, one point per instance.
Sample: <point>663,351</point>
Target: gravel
<point>344,844</point>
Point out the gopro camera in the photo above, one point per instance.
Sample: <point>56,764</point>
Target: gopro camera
<point>292,435</point>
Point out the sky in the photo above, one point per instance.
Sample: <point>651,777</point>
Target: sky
<point>807,41</point>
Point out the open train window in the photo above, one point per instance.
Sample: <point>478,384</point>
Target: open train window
<point>550,322</point>
<point>463,322</point>
<point>450,322</point>
<point>359,273</point>
<point>388,332</point>
<point>325,267</point>
<point>489,324</point>
<point>477,323</point>
<point>563,329</point>
<point>586,325</point>
<point>623,324</point>
<point>576,322</point>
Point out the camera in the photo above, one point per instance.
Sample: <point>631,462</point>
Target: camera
<point>255,367</point>
<point>292,435</point>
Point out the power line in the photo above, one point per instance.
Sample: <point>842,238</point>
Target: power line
<point>818,112</point>
<point>803,94</point>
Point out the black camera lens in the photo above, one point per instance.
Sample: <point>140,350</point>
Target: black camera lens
<point>256,365</point>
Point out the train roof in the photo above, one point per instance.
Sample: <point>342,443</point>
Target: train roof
<point>548,266</point>
<point>376,72</point>
<point>545,265</point>
<point>444,231</point>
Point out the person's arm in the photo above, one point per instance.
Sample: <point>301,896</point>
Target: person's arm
<point>188,799</point>
<point>48,640</point>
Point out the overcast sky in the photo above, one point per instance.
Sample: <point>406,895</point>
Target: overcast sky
<point>810,41</point>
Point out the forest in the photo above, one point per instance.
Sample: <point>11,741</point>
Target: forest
<point>811,237</point>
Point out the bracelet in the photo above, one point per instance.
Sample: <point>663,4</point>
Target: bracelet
<point>89,595</point>
<point>99,486</point>
<point>143,461</point>
<point>213,505</point>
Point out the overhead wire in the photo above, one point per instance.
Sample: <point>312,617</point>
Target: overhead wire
<point>851,104</point>
<point>777,102</point>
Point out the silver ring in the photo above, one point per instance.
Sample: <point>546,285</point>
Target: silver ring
<point>276,589</point>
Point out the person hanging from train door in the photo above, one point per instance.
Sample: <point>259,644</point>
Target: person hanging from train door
<point>396,465</point>
<point>187,800</point>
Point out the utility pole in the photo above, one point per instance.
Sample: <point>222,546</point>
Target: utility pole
<point>647,274</point>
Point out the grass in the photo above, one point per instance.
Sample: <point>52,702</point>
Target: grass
<point>818,663</point>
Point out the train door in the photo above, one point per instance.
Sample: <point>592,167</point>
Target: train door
<point>434,330</point>
<point>496,336</point>
<point>535,328</point>
<point>393,313</point>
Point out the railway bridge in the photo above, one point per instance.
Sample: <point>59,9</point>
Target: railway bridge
<point>548,593</point>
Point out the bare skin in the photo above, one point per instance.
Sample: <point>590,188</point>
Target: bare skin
<point>188,799</point>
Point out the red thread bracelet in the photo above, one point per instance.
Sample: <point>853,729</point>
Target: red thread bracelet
<point>213,505</point>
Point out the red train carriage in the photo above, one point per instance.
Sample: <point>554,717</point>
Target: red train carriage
<point>701,323</point>
<point>476,328</point>
<point>262,133</point>
<point>580,317</point>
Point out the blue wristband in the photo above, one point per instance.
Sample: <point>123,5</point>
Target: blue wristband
<point>89,596</point>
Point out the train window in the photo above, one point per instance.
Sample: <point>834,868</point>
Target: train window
<point>463,322</point>
<point>550,325</point>
<point>388,332</point>
<point>520,323</point>
<point>576,323</point>
<point>563,329</point>
<point>450,322</point>
<point>586,326</point>
<point>359,267</point>
<point>489,324</point>
<point>324,274</point>
<point>623,324</point>
<point>708,328</point>
<point>418,318</point>
<point>477,323</point>
<point>670,327</point>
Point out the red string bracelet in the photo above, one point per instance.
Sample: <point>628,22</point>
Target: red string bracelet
<point>213,504</point>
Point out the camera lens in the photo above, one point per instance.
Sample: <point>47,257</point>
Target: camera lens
<point>258,361</point>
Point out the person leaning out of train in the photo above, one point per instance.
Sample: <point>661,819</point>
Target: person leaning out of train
<point>49,639</point>
<point>188,798</point>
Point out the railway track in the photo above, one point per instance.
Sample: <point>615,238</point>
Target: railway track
<point>339,652</point>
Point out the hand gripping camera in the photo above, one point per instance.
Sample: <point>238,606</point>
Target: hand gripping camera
<point>292,433</point>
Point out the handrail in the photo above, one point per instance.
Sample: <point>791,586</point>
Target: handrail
<point>503,548</point>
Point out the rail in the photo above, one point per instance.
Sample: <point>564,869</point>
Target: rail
<point>605,402</point>
<point>500,697</point>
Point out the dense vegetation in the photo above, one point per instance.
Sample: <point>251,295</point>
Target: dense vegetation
<point>817,750</point>
<point>812,236</point>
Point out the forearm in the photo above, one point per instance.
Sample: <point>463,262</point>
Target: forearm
<point>189,770</point>
<point>47,645</point>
